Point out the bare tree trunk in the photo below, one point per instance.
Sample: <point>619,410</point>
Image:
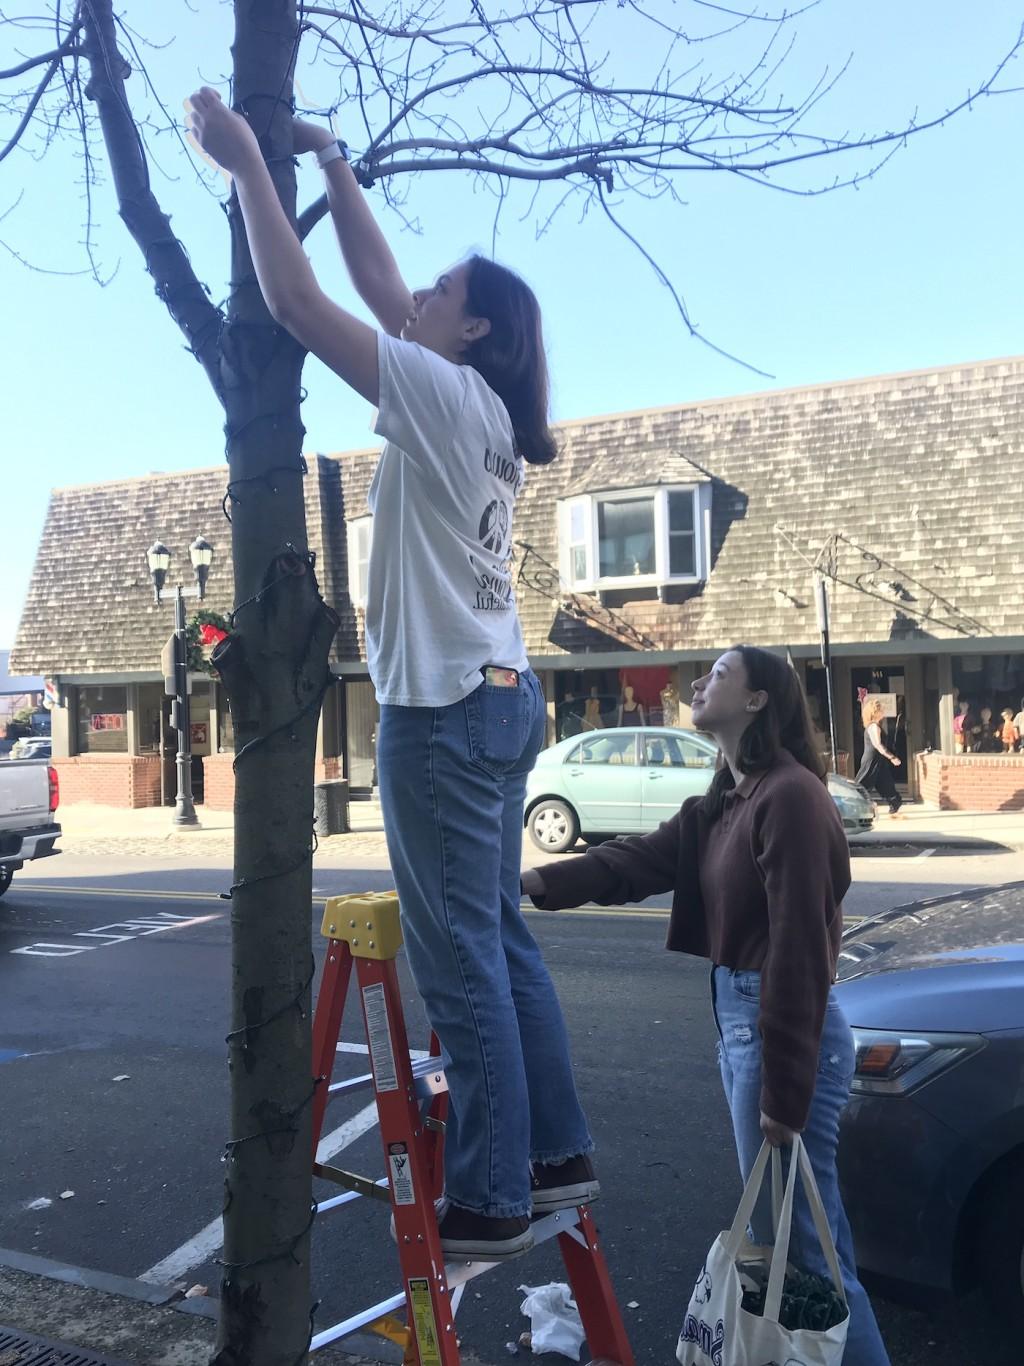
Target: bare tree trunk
<point>275,668</point>
<point>274,664</point>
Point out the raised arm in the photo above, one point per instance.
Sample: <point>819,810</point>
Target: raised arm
<point>368,258</point>
<point>286,279</point>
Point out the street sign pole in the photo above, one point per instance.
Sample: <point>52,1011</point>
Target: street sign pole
<point>821,602</point>
<point>184,807</point>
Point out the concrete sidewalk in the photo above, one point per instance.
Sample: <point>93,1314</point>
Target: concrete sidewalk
<point>111,831</point>
<point>133,1322</point>
<point>149,832</point>
<point>929,827</point>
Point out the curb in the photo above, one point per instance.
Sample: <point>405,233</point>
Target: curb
<point>88,1283</point>
<point>923,839</point>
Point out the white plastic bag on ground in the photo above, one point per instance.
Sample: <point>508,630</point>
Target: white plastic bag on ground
<point>554,1319</point>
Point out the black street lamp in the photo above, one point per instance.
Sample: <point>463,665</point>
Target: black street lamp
<point>200,552</point>
<point>158,558</point>
<point>174,661</point>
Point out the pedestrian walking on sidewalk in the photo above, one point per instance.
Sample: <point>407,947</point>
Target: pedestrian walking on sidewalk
<point>458,376</point>
<point>878,762</point>
<point>758,868</point>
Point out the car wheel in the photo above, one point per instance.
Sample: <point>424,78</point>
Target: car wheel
<point>6,873</point>
<point>553,826</point>
<point>1000,1249</point>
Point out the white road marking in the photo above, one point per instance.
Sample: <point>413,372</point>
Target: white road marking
<point>210,1239</point>
<point>925,853</point>
<point>104,939</point>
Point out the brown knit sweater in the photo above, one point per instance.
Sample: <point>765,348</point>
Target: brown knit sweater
<point>759,889</point>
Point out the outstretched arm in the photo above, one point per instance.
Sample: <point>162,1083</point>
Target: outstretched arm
<point>623,870</point>
<point>368,258</point>
<point>285,276</point>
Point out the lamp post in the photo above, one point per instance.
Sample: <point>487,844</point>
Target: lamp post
<point>821,603</point>
<point>158,558</point>
<point>174,661</point>
<point>200,552</point>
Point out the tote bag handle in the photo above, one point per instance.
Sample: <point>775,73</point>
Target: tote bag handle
<point>780,1255</point>
<point>750,1194</point>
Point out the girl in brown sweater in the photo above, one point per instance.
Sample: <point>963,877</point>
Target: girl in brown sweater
<point>758,868</point>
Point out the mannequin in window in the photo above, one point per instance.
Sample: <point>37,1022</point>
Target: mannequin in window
<point>670,705</point>
<point>631,712</point>
<point>592,711</point>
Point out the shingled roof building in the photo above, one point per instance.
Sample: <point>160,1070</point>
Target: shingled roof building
<point>655,540</point>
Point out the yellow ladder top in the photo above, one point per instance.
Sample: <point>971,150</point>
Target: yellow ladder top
<point>366,921</point>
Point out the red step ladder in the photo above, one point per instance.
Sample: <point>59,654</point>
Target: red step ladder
<point>412,1101</point>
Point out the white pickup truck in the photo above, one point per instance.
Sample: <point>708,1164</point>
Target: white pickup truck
<point>29,794</point>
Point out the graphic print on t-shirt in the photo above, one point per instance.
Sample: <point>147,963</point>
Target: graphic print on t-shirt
<point>494,526</point>
<point>493,585</point>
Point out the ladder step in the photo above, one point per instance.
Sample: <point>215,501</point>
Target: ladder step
<point>427,1074</point>
<point>361,1320</point>
<point>457,1274</point>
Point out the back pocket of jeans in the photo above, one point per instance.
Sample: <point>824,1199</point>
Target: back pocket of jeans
<point>498,720</point>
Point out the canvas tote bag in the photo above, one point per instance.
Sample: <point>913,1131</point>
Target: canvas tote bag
<point>717,1330</point>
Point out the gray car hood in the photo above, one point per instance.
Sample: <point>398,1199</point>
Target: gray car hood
<point>953,964</point>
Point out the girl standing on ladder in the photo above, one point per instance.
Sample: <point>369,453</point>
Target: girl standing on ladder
<point>458,375</point>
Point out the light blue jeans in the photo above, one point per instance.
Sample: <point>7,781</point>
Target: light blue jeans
<point>736,997</point>
<point>452,787</point>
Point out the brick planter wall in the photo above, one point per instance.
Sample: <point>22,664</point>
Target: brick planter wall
<point>218,782</point>
<point>110,779</point>
<point>972,782</point>
<point>219,779</point>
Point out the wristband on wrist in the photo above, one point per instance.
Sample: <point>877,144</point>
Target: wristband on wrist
<point>332,152</point>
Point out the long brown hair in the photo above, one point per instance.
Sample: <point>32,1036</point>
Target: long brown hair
<point>783,723</point>
<point>511,356</point>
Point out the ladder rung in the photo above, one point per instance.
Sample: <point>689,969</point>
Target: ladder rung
<point>427,1073</point>
<point>357,1321</point>
<point>335,1201</point>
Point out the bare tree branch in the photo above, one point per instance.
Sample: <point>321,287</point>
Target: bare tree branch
<point>53,64</point>
<point>186,299</point>
<point>58,54</point>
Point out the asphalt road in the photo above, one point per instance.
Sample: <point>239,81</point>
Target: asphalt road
<point>112,1072</point>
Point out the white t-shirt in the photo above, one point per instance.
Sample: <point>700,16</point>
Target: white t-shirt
<point>440,605</point>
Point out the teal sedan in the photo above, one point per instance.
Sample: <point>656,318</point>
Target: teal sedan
<point>626,782</point>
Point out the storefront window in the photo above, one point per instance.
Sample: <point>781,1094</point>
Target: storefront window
<point>153,706</point>
<point>598,699</point>
<point>361,717</point>
<point>988,704</point>
<point>103,720</point>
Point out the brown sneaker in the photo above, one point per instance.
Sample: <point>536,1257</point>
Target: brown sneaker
<point>480,1238</point>
<point>563,1185</point>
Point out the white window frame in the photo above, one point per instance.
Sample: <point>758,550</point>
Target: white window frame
<point>358,535</point>
<point>594,581</point>
<point>567,510</point>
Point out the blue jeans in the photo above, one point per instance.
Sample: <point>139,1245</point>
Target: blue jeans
<point>452,787</point>
<point>736,997</point>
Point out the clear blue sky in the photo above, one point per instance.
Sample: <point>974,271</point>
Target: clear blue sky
<point>922,266</point>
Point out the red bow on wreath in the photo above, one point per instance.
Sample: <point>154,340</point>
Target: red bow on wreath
<point>210,634</point>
